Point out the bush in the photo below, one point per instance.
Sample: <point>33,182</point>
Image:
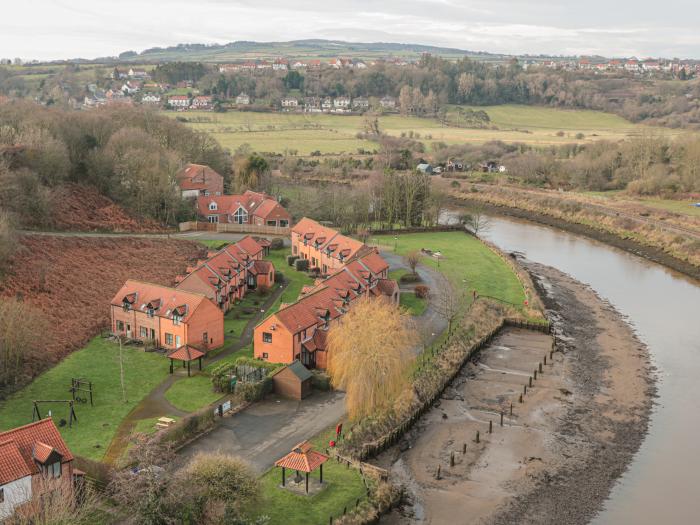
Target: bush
<point>455,184</point>
<point>410,278</point>
<point>291,259</point>
<point>254,391</point>
<point>190,426</point>
<point>279,276</point>
<point>421,291</point>
<point>320,380</point>
<point>277,243</point>
<point>301,265</point>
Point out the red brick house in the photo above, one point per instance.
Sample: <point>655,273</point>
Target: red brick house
<point>325,248</point>
<point>299,330</point>
<point>225,276</point>
<point>196,179</point>
<point>33,459</point>
<point>248,208</point>
<point>168,317</point>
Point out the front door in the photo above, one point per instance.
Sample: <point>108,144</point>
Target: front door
<point>308,359</point>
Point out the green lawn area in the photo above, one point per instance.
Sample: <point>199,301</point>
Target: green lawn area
<point>97,362</point>
<point>148,425</point>
<point>192,393</point>
<point>415,305</point>
<point>344,488</point>
<point>214,244</point>
<point>297,280</point>
<point>683,207</point>
<point>463,258</point>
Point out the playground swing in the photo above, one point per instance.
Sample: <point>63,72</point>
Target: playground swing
<point>36,413</point>
<point>81,385</point>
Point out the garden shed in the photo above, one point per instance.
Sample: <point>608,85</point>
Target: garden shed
<point>293,381</point>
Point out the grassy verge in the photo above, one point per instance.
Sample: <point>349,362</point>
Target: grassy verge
<point>343,488</point>
<point>97,362</point>
<point>415,305</point>
<point>192,393</point>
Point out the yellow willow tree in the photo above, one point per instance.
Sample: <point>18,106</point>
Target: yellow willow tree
<point>369,355</point>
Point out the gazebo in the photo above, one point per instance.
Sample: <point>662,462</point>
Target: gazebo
<point>186,354</point>
<point>302,459</point>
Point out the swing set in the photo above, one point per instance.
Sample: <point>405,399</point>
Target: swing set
<point>36,414</point>
<point>81,385</point>
<point>78,386</point>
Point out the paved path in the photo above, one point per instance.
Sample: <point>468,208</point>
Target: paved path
<point>267,430</point>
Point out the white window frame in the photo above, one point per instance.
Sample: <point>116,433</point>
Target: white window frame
<point>213,206</point>
<point>241,213</point>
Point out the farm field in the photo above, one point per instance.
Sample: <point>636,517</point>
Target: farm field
<point>97,362</point>
<point>336,134</point>
<point>683,207</point>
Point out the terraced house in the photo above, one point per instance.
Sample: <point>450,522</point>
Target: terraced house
<point>168,317</point>
<point>226,275</point>
<point>300,330</point>
<point>325,248</point>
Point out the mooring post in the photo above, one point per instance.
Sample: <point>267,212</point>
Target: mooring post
<point>452,459</point>
<point>464,448</point>
<point>529,382</point>
<point>551,355</point>
<point>520,399</point>
<point>545,359</point>
<point>524,389</point>
<point>540,368</point>
<point>490,427</point>
<point>437,474</point>
<point>477,436</point>
<point>501,417</point>
<point>534,375</point>
<point>511,409</point>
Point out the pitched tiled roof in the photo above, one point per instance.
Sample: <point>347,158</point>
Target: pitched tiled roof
<point>250,245</point>
<point>270,209</point>
<point>19,451</point>
<point>302,458</point>
<point>328,240</point>
<point>249,201</point>
<point>199,177</point>
<point>186,353</point>
<point>140,294</point>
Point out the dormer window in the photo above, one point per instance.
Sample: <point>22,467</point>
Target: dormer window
<point>126,306</point>
<point>213,206</point>
<point>151,312</point>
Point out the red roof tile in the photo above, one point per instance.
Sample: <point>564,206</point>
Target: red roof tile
<point>186,353</point>
<point>302,458</point>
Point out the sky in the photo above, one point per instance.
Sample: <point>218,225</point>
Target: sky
<point>61,29</point>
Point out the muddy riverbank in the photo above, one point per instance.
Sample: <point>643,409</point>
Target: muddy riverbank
<point>557,457</point>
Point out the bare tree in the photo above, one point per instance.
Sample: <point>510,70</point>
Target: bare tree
<point>54,502</point>
<point>448,301</point>
<point>412,259</point>
<point>476,221</point>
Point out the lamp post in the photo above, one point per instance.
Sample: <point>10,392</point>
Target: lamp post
<point>396,243</point>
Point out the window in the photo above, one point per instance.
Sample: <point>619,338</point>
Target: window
<point>143,332</point>
<point>295,249</point>
<point>213,219</point>
<point>153,334</point>
<point>325,268</point>
<point>55,470</point>
<point>205,337</point>
<point>177,341</point>
<point>2,495</point>
<point>213,206</point>
<point>151,312</point>
<point>267,337</point>
<point>241,216</point>
<point>272,223</point>
<point>126,306</point>
<point>120,326</point>
<point>265,356</point>
<point>169,339</point>
<point>284,223</point>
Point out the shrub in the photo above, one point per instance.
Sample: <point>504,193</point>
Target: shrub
<point>301,265</point>
<point>291,259</point>
<point>277,243</point>
<point>279,276</point>
<point>254,391</point>
<point>560,133</point>
<point>320,380</point>
<point>455,184</point>
<point>190,426</point>
<point>421,291</point>
<point>580,136</point>
<point>410,278</point>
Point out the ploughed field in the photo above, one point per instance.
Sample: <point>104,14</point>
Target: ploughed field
<point>335,134</point>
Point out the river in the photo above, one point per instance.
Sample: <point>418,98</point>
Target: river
<point>661,484</point>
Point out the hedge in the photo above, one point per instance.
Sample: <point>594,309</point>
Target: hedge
<point>301,265</point>
<point>291,259</point>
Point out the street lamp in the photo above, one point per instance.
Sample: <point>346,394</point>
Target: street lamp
<point>396,243</point>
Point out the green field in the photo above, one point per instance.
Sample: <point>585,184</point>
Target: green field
<point>98,362</point>
<point>466,262</point>
<point>335,134</point>
<point>682,207</point>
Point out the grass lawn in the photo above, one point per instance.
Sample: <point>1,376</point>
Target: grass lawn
<point>98,362</point>
<point>213,244</point>
<point>415,305</point>
<point>148,425</point>
<point>464,258</point>
<point>344,488</point>
<point>297,280</point>
<point>192,393</point>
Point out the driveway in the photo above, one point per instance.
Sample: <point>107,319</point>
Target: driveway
<point>267,430</point>
<point>430,323</point>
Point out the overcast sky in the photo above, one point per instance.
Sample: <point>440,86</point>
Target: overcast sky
<point>53,29</point>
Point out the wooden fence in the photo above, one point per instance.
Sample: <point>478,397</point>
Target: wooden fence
<point>221,227</point>
<point>373,448</point>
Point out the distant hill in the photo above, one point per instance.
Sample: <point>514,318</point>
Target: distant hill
<point>306,49</point>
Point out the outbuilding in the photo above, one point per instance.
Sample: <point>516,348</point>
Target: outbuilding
<point>293,381</point>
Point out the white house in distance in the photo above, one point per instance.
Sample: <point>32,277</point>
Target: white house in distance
<point>151,98</point>
<point>179,101</point>
<point>388,102</point>
<point>289,102</point>
<point>342,102</point>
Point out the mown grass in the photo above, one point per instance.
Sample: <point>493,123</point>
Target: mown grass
<point>344,487</point>
<point>97,362</point>
<point>192,393</point>
<point>466,262</point>
<point>415,305</point>
<point>297,280</point>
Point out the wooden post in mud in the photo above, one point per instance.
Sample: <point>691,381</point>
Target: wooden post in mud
<point>545,359</point>
<point>540,368</point>
<point>437,474</point>
<point>477,436</point>
<point>501,417</point>
<point>464,448</point>
<point>452,459</point>
<point>511,409</point>
<point>551,355</point>
<point>529,382</point>
<point>520,399</point>
<point>535,375</point>
<point>524,389</point>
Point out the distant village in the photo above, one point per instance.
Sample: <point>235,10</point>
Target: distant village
<point>135,86</point>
